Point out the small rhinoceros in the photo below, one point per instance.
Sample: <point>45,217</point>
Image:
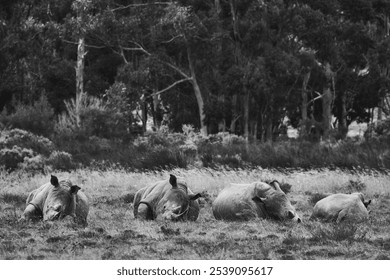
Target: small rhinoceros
<point>56,200</point>
<point>339,207</point>
<point>168,200</point>
<point>254,200</point>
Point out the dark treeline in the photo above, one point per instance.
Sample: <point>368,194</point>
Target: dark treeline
<point>107,68</point>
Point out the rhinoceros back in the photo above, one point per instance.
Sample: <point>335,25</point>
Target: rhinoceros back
<point>235,203</point>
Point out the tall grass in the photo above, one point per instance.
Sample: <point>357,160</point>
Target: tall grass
<point>113,233</point>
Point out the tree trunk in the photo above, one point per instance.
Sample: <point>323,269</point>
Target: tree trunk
<point>327,101</point>
<point>380,107</point>
<point>198,93</point>
<point>80,78</point>
<point>222,123</point>
<point>144,112</point>
<point>306,79</point>
<point>343,127</point>
<point>246,116</point>
<point>235,115</point>
<point>157,112</point>
<point>217,4</point>
<point>268,132</point>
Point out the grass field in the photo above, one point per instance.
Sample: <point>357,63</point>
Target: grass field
<point>112,232</point>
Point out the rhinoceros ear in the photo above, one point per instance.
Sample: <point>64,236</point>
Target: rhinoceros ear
<point>194,196</point>
<point>366,203</point>
<point>173,181</point>
<point>74,189</point>
<point>54,180</point>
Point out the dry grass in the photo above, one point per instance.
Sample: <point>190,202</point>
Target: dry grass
<point>112,232</point>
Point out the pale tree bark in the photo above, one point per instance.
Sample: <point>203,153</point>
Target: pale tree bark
<point>238,59</point>
<point>197,92</point>
<point>219,51</point>
<point>327,101</point>
<point>235,115</point>
<point>80,78</point>
<point>384,71</point>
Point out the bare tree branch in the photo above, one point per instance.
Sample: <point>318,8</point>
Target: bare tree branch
<point>177,69</point>
<point>139,5</point>
<point>171,86</point>
<point>314,99</point>
<point>89,46</point>
<point>121,54</point>
<point>170,40</point>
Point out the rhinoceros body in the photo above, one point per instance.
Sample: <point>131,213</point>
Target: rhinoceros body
<point>57,199</point>
<point>167,199</point>
<point>340,207</point>
<point>255,200</point>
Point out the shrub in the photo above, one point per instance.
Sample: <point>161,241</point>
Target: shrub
<point>11,158</point>
<point>37,117</point>
<point>162,157</point>
<point>33,164</point>
<point>88,116</point>
<point>61,161</point>
<point>379,130</point>
<point>25,139</point>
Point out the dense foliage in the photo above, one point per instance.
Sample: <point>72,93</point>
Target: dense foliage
<point>94,76</point>
<point>224,65</point>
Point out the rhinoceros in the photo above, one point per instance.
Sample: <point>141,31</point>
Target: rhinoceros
<point>56,200</point>
<point>253,200</point>
<point>339,207</point>
<point>167,200</point>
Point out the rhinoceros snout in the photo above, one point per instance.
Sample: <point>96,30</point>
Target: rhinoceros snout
<point>53,215</point>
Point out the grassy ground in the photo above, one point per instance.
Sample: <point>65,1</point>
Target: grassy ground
<point>112,232</point>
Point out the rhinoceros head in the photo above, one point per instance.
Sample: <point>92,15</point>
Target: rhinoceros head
<point>176,202</point>
<point>61,200</point>
<point>276,204</point>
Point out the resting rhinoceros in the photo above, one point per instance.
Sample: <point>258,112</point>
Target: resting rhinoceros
<point>248,201</point>
<point>339,207</point>
<point>55,200</point>
<point>169,200</point>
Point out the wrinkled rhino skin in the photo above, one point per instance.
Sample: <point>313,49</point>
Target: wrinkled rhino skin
<point>56,200</point>
<point>168,200</point>
<point>341,207</point>
<point>254,200</point>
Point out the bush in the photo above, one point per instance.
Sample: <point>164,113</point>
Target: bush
<point>90,116</point>
<point>25,139</point>
<point>11,158</point>
<point>162,157</point>
<point>379,130</point>
<point>61,161</point>
<point>33,164</point>
<point>37,117</point>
